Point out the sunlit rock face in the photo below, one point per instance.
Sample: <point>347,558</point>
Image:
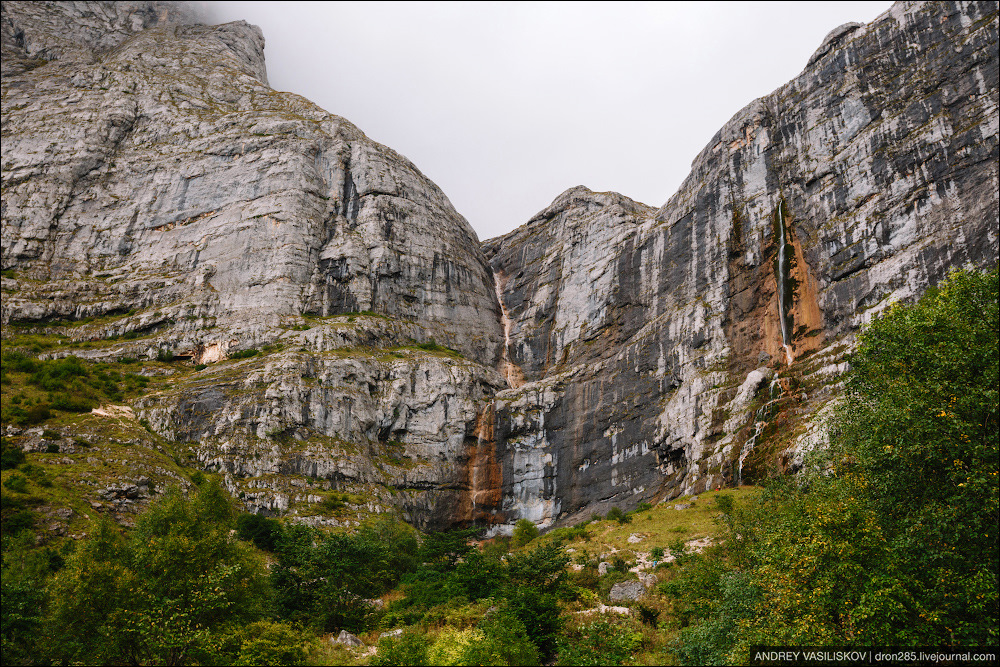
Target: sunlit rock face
<point>637,329</point>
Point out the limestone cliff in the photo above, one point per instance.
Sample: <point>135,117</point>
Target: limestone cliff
<point>153,180</point>
<point>322,327</point>
<point>652,340</point>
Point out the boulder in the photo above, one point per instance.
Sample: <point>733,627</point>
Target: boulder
<point>347,639</point>
<point>627,590</point>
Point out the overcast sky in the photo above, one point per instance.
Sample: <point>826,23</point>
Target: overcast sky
<point>506,105</point>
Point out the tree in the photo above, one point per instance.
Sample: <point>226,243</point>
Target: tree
<point>892,538</point>
<point>524,532</point>
<point>174,590</point>
<point>326,581</point>
<point>919,440</point>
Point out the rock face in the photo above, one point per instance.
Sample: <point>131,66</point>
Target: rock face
<point>166,175</point>
<point>642,333</point>
<point>160,200</point>
<point>153,179</point>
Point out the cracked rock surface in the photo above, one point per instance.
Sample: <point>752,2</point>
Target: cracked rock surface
<point>642,333</point>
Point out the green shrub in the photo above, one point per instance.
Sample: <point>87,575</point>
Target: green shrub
<point>200,367</point>
<point>18,521</point>
<point>600,642</point>
<point>409,648</point>
<point>11,456</point>
<point>647,614</point>
<point>271,643</point>
<point>165,355</point>
<point>616,514</point>
<point>17,483</point>
<point>505,642</point>
<point>262,531</point>
<point>244,354</point>
<point>36,414</point>
<point>453,646</point>
<point>524,532</point>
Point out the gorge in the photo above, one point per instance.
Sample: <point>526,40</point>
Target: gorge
<point>319,322</point>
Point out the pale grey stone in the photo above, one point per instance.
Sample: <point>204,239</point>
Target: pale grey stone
<point>347,639</point>
<point>626,590</point>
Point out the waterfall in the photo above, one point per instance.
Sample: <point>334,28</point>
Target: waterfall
<point>783,279</point>
<point>511,373</point>
<point>747,448</point>
<point>761,415</point>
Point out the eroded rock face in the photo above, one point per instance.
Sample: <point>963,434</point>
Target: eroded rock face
<point>639,331</point>
<point>167,176</point>
<point>153,180</point>
<point>396,419</point>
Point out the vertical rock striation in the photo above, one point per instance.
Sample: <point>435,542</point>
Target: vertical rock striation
<point>152,178</point>
<point>859,183</point>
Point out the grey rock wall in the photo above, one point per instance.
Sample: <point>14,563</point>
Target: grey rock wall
<point>167,176</point>
<point>152,180</point>
<point>638,330</point>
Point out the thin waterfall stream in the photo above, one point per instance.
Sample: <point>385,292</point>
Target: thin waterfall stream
<point>783,284</point>
<point>511,373</point>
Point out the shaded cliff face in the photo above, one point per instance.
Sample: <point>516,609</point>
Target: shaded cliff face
<point>152,180</point>
<point>652,339</point>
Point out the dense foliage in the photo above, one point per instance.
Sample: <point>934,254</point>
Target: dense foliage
<point>328,581</point>
<point>892,539</point>
<point>174,590</point>
<point>67,385</point>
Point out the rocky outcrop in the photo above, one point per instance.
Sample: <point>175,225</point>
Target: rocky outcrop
<point>395,424</point>
<point>645,335</point>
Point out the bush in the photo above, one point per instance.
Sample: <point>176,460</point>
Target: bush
<point>262,531</point>
<point>616,514</point>
<point>244,354</point>
<point>524,532</point>
<point>409,648</point>
<point>271,643</point>
<point>17,483</point>
<point>11,456</point>
<point>600,642</point>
